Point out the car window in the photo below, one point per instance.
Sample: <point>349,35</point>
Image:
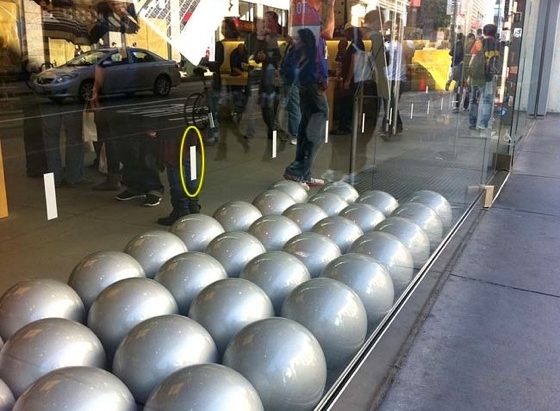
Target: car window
<point>142,57</point>
<point>87,59</point>
<point>117,58</point>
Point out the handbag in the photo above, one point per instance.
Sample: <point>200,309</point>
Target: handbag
<point>89,129</point>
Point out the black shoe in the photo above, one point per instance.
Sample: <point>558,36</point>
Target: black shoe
<point>176,214</point>
<point>194,208</point>
<point>128,195</point>
<point>152,200</point>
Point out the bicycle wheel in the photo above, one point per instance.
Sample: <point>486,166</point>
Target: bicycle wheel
<point>195,111</point>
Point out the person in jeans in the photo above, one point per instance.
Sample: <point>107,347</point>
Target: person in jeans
<point>267,91</point>
<point>483,85</point>
<point>314,111</point>
<point>291,90</point>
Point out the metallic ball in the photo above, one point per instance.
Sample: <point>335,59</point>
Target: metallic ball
<point>273,202</point>
<point>153,248</point>
<point>185,275</point>
<point>342,189</point>
<point>196,230</point>
<point>77,389</point>
<point>314,250</point>
<point>33,299</point>
<point>277,273</point>
<point>411,235</point>
<point>226,306</point>
<point>282,360</point>
<point>274,230</point>
<point>331,203</point>
<point>7,399</point>
<point>364,215</point>
<point>436,202</point>
<point>47,345</point>
<point>237,215</point>
<point>293,189</point>
<point>339,229</point>
<point>156,348</point>
<point>204,387</point>
<point>381,200</point>
<point>368,278</point>
<point>97,271</point>
<point>305,215</point>
<point>333,313</point>
<point>425,217</point>
<point>122,305</point>
<point>389,251</point>
<point>234,249</point>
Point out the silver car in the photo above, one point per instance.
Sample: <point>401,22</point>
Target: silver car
<point>126,71</point>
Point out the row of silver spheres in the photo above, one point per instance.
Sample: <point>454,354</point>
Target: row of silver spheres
<point>247,309</point>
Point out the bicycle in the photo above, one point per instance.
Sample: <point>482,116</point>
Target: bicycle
<point>196,109</point>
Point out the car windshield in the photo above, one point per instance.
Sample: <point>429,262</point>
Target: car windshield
<point>87,59</point>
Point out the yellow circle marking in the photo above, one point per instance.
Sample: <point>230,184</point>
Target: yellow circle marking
<point>202,166</point>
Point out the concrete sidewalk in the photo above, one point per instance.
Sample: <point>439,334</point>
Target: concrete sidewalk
<point>491,340</point>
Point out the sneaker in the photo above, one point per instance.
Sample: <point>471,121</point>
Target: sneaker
<point>299,180</point>
<point>82,182</point>
<point>315,182</point>
<point>152,200</point>
<point>471,127</point>
<point>172,217</point>
<point>293,141</point>
<point>127,195</point>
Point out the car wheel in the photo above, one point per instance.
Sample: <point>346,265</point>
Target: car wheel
<point>85,91</point>
<point>162,86</point>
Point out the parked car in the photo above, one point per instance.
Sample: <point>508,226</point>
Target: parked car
<point>127,71</point>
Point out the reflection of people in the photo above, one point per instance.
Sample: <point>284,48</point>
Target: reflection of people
<point>457,55</point>
<point>77,50</point>
<point>378,88</point>
<point>483,86</point>
<point>267,91</point>
<point>314,111</point>
<point>55,115</point>
<point>290,90</point>
<point>237,59</point>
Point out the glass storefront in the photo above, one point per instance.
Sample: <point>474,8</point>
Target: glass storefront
<point>167,82</point>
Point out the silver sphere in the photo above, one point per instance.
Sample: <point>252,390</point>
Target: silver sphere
<point>293,189</point>
<point>331,203</point>
<point>411,235</point>
<point>153,248</point>
<point>273,231</point>
<point>425,217</point>
<point>185,275</point>
<point>333,313</point>
<point>389,251</point>
<point>381,200</point>
<point>122,305</point>
<point>7,399</point>
<point>196,230</point>
<point>339,229</point>
<point>368,278</point>
<point>47,345</point>
<point>237,215</point>
<point>234,249</point>
<point>34,299</point>
<point>364,215</point>
<point>97,271</point>
<point>436,202</point>
<point>282,360</point>
<point>226,306</point>
<point>314,250</point>
<point>277,273</point>
<point>342,189</point>
<point>156,348</point>
<point>77,389</point>
<point>273,202</point>
<point>204,387</point>
<point>305,215</point>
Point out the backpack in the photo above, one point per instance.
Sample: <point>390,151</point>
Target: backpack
<point>486,63</point>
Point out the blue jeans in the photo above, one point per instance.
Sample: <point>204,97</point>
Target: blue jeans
<point>54,116</point>
<point>311,132</point>
<point>179,198</point>
<point>293,110</point>
<point>482,103</point>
